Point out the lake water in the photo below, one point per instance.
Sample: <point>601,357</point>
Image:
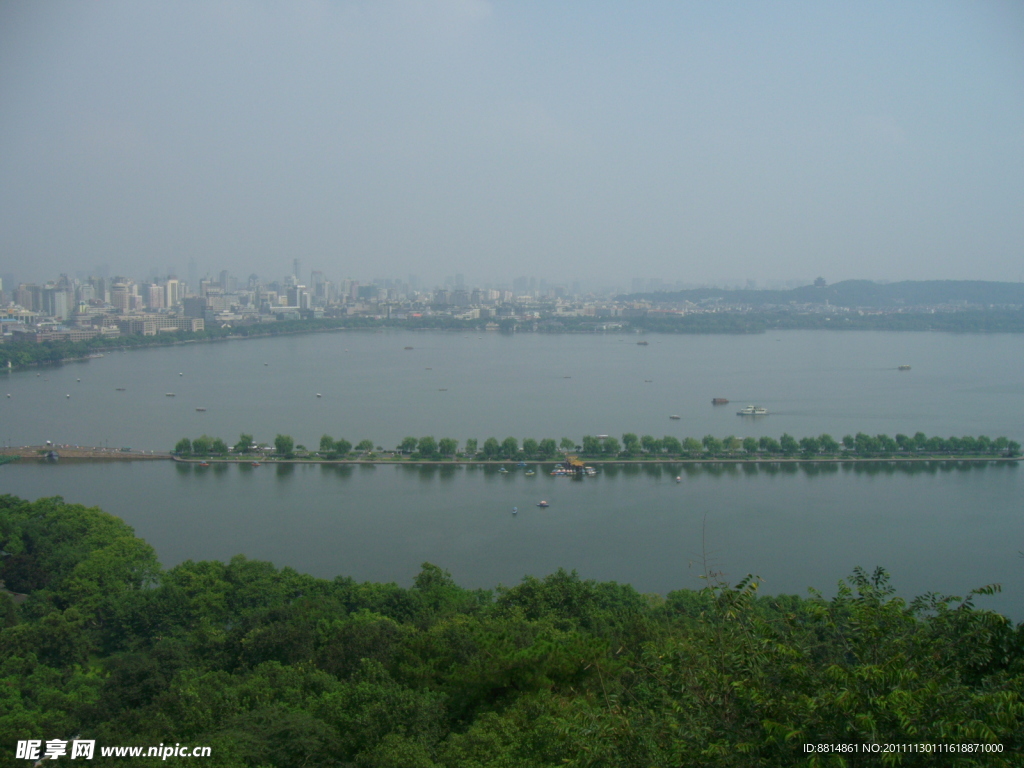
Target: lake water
<point>943,528</point>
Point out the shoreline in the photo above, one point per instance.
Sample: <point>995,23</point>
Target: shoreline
<point>84,453</point>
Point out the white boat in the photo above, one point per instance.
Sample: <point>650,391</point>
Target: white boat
<point>753,410</point>
<point>543,505</point>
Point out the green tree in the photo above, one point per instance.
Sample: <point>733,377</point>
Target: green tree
<point>244,444</point>
<point>342,447</point>
<point>427,446</point>
<point>769,445</point>
<point>447,446</point>
<point>491,448</point>
<point>471,447</point>
<point>750,445</point>
<point>201,445</point>
<point>610,446</point>
<point>365,445</point>
<point>671,445</point>
<point>712,445</point>
<point>591,445</point>
<point>218,447</point>
<point>326,444</point>
<point>183,447</point>
<point>788,444</point>
<point>865,445</point>
<point>509,447</point>
<point>732,444</point>
<point>886,444</point>
<point>810,446</point>
<point>650,444</point>
<point>567,444</point>
<point>828,445</point>
<point>408,445</point>
<point>547,448</point>
<point>849,443</point>
<point>530,447</point>
<point>631,443</point>
<point>692,446</point>
<point>284,446</point>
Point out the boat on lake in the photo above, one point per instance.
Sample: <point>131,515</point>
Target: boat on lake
<point>168,394</point>
<point>543,505</point>
<point>204,463</point>
<point>752,410</point>
<point>903,367</point>
<point>675,417</point>
<point>200,409</point>
<point>719,401</point>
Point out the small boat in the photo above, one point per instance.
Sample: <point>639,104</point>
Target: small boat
<point>648,381</point>
<point>903,368</point>
<point>119,389</point>
<point>753,410</point>
<point>180,373</point>
<point>515,510</point>
<point>719,401</point>
<point>255,463</point>
<point>204,463</point>
<point>642,343</point>
<point>318,394</point>
<point>521,464</point>
<point>168,394</point>
<point>408,347</point>
<point>529,473</point>
<point>679,479</point>
<point>502,470</point>
<point>445,389</point>
<point>543,505</point>
<point>67,395</point>
<point>79,381</point>
<point>675,417</point>
<point>200,409</point>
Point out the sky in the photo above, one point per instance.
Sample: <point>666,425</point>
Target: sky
<point>705,143</point>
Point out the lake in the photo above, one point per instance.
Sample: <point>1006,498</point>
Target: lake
<point>944,527</point>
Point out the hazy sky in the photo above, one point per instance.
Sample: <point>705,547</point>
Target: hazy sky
<point>694,141</point>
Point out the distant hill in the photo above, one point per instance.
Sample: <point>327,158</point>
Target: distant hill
<point>858,293</point>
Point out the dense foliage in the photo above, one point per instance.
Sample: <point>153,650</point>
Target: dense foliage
<point>270,667</point>
<point>860,445</point>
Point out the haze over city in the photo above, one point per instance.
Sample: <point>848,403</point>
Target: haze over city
<point>703,143</point>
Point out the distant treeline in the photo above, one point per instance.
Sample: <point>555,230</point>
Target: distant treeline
<point>267,666</point>
<point>858,293</point>
<point>631,447</point>
<point>25,353</point>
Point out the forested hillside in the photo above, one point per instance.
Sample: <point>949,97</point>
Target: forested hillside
<point>270,667</point>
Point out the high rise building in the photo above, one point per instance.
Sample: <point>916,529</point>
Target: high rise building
<point>173,295</point>
<point>120,297</point>
<point>156,294</point>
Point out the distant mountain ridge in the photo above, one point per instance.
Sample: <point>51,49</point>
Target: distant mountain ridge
<point>859,293</point>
